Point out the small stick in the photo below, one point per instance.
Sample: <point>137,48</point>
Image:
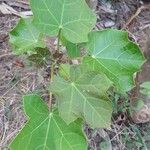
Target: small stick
<point>5,55</point>
<point>136,14</point>
<point>6,9</point>
<point>23,2</point>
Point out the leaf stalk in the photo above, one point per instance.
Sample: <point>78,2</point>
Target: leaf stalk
<point>58,43</point>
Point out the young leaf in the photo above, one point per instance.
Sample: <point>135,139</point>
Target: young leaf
<point>73,50</point>
<point>113,54</point>
<point>40,57</point>
<point>83,94</point>
<point>145,85</point>
<point>46,130</point>
<point>72,17</point>
<point>25,37</point>
<point>137,105</point>
<point>145,88</point>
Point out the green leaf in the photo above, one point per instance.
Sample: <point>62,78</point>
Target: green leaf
<point>105,145</point>
<point>25,37</point>
<point>64,71</point>
<point>83,94</point>
<point>145,89</point>
<point>137,105</point>
<point>45,130</point>
<point>73,17</point>
<point>145,85</point>
<point>112,53</point>
<point>73,50</point>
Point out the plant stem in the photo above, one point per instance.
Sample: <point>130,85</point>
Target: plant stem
<point>51,95</point>
<point>58,43</point>
<point>52,72</point>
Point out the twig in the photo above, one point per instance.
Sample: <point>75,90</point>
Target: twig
<point>18,4</point>
<point>146,26</point>
<point>5,55</point>
<point>6,9</point>
<point>136,14</point>
<point>23,2</point>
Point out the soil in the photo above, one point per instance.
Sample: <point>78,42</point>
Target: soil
<point>19,77</point>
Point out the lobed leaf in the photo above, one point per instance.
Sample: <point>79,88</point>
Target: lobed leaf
<point>112,53</point>
<point>73,17</point>
<point>25,37</point>
<point>82,93</point>
<point>47,131</point>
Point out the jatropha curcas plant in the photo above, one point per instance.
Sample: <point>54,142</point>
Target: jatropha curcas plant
<point>80,90</point>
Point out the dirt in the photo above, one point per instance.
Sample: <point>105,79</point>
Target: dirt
<point>19,77</point>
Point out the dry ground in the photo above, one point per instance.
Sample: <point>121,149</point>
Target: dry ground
<point>18,76</point>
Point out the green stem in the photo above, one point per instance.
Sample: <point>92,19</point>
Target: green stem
<point>58,43</point>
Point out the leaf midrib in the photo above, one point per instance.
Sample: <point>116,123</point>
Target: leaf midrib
<point>49,117</point>
<point>62,134</point>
